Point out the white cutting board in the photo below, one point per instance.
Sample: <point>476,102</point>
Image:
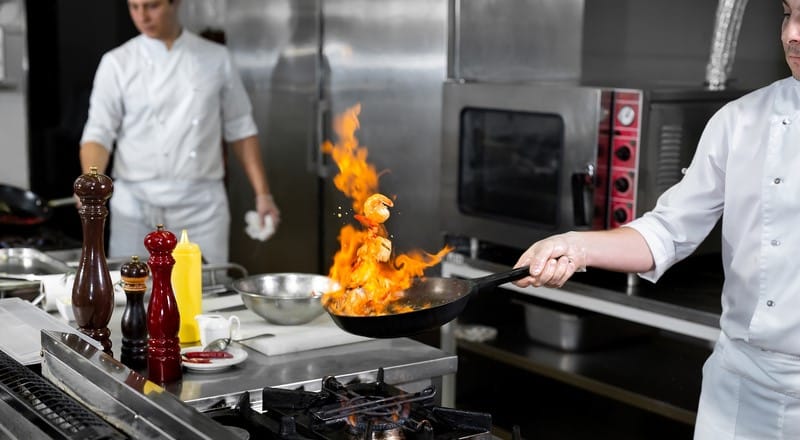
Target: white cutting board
<point>21,324</point>
<point>319,333</point>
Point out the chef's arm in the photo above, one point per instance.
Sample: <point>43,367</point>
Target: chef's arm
<point>248,152</point>
<point>93,154</point>
<point>555,259</point>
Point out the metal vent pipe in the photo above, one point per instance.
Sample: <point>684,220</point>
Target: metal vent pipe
<point>728,21</point>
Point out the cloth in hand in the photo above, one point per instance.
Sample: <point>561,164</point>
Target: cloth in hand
<point>254,228</point>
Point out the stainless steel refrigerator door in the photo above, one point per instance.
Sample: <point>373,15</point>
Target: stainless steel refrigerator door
<point>390,56</point>
<point>303,62</point>
<point>275,44</point>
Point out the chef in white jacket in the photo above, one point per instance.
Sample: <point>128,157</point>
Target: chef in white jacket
<point>747,166</point>
<point>163,103</point>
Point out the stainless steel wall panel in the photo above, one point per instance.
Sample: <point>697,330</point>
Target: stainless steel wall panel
<point>519,40</point>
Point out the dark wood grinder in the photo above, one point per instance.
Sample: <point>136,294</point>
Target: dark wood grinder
<point>134,318</point>
<point>93,291</point>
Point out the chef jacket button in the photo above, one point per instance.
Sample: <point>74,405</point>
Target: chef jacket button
<point>770,303</point>
<point>786,121</point>
<point>195,121</point>
<point>777,181</point>
<point>775,242</point>
<point>193,154</point>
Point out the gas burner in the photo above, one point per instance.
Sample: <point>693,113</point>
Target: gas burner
<point>39,238</point>
<point>356,411</point>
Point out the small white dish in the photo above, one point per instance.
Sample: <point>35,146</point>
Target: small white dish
<point>239,355</point>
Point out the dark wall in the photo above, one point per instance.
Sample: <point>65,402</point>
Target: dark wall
<point>66,39</point>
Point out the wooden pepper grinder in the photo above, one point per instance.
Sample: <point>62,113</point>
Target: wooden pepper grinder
<point>93,291</point>
<point>134,318</point>
<point>163,318</point>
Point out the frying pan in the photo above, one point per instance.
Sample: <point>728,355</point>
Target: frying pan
<point>436,301</point>
<point>22,207</point>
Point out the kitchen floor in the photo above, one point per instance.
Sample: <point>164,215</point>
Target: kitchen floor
<point>552,409</point>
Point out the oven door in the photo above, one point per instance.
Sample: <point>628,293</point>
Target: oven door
<point>519,160</point>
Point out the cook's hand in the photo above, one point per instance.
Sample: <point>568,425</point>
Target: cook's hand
<point>553,260</point>
<point>265,206</point>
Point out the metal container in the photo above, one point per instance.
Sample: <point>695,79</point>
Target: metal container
<point>572,329</point>
<point>285,298</point>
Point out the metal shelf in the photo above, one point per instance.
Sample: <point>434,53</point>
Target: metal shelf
<point>660,374</point>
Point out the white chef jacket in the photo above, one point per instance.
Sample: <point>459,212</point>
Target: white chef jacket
<point>168,110</point>
<point>164,114</point>
<point>748,164</point>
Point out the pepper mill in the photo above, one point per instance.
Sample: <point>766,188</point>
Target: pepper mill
<point>163,318</point>
<point>134,319</point>
<point>93,291</point>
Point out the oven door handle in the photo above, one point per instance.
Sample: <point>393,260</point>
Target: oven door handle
<point>582,196</point>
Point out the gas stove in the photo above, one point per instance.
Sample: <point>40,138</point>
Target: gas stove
<point>357,410</point>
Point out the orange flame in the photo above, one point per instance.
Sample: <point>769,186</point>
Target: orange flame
<point>373,282</point>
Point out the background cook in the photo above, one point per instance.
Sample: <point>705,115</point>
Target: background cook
<point>163,103</point>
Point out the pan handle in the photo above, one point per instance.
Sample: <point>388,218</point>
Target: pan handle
<point>61,202</point>
<point>499,278</point>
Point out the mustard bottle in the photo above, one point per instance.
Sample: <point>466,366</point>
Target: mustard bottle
<point>187,283</point>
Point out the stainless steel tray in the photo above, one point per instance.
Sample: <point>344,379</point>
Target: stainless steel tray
<point>28,261</point>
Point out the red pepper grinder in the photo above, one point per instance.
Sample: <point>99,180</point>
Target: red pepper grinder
<point>93,291</point>
<point>134,318</point>
<point>163,318</point>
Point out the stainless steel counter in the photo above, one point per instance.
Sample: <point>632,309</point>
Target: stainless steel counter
<point>407,363</point>
<point>144,409</point>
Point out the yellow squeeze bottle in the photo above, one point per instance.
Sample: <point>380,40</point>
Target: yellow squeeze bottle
<point>187,283</point>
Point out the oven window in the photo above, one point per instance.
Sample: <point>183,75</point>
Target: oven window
<point>510,165</point>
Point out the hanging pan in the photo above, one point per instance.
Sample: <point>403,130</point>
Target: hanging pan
<point>435,301</point>
<point>22,207</point>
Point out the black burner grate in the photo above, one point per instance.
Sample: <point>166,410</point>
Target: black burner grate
<point>49,408</point>
<point>355,411</point>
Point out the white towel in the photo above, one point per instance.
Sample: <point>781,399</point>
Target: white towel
<point>254,228</point>
<point>60,286</point>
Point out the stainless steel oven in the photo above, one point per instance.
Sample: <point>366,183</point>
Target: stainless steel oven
<point>521,161</point>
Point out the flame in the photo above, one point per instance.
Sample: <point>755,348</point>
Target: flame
<point>373,281</point>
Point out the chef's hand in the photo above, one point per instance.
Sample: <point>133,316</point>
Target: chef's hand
<point>553,260</point>
<point>265,206</point>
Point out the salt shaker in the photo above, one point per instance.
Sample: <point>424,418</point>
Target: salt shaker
<point>93,291</point>
<point>134,319</point>
<point>163,317</point>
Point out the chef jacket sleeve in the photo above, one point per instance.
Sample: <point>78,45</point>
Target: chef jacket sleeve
<point>237,118</point>
<point>105,105</point>
<point>685,214</point>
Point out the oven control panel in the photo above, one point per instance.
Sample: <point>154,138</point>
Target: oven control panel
<point>619,151</point>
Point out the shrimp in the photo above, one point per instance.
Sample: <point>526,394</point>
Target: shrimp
<point>376,208</point>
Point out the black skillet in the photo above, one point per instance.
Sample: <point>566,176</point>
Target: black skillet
<point>436,301</point>
<point>22,207</point>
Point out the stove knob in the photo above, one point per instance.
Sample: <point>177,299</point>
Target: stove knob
<point>622,185</point>
<point>623,153</point>
<point>620,215</point>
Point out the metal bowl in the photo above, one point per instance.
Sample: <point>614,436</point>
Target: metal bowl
<point>284,298</point>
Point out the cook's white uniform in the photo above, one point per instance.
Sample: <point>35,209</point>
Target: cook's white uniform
<point>168,112</point>
<point>747,164</point>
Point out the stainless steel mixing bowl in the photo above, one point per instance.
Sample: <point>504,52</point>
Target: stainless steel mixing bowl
<point>284,298</point>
